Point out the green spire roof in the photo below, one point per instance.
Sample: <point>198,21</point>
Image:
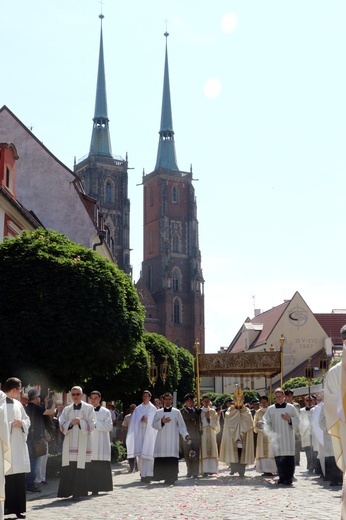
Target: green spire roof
<point>166,157</point>
<point>100,138</point>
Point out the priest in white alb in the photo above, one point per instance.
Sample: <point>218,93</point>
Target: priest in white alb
<point>77,421</point>
<point>99,471</point>
<point>210,427</point>
<point>140,439</point>
<point>169,423</point>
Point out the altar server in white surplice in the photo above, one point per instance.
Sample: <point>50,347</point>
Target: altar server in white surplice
<point>77,421</point>
<point>140,439</point>
<point>99,471</point>
<point>280,421</point>
<point>169,423</point>
<point>5,454</point>
<point>18,423</point>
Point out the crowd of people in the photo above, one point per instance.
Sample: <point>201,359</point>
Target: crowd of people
<point>239,435</point>
<point>157,434</point>
<point>82,432</point>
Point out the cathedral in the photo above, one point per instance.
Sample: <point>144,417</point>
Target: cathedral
<point>171,285</point>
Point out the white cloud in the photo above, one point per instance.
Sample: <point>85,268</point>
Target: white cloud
<point>212,88</point>
<point>229,23</point>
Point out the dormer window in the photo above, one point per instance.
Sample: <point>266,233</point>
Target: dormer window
<point>9,179</point>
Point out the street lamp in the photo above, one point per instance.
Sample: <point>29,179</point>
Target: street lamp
<point>282,341</point>
<point>164,369</point>
<point>309,374</point>
<point>198,392</point>
<point>323,365</point>
<point>154,371</point>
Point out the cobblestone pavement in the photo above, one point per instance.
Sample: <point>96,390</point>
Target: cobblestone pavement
<point>220,497</point>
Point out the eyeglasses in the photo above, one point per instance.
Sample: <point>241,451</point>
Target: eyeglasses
<point>75,394</point>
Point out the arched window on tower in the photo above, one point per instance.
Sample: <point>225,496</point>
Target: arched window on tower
<point>175,243</point>
<point>150,277</point>
<point>175,195</point>
<point>177,311</point>
<point>176,279</point>
<point>108,193</point>
<point>151,246</point>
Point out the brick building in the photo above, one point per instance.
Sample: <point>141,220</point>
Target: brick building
<point>171,286</point>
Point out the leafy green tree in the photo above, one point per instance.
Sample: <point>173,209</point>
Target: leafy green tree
<point>66,313</point>
<point>127,382</point>
<point>295,382</point>
<point>187,382</point>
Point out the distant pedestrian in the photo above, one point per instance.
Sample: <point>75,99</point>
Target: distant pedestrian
<point>77,421</point>
<point>37,431</point>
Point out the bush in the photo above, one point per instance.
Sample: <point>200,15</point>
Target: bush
<point>118,451</point>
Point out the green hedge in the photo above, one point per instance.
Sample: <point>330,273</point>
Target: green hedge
<point>118,451</point>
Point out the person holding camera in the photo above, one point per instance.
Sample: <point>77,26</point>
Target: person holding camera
<point>36,440</point>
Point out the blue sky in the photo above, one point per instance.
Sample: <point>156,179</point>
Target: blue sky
<point>258,98</point>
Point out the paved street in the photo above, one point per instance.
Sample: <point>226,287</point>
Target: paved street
<point>219,497</point>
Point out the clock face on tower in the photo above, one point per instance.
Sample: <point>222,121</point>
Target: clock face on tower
<point>298,316</point>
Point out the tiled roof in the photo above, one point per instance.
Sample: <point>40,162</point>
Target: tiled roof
<point>268,319</point>
<point>332,323</point>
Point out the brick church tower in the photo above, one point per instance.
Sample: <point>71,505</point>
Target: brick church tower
<point>171,286</point>
<point>105,178</point>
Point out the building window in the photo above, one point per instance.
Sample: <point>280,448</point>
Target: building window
<point>150,277</point>
<point>176,279</point>
<point>108,194</point>
<point>177,311</point>
<point>151,196</point>
<point>151,241</point>
<point>8,179</point>
<point>175,244</point>
<point>175,195</point>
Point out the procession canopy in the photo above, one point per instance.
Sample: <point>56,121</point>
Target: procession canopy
<point>266,364</point>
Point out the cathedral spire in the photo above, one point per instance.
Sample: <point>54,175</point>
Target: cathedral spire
<point>100,138</point>
<point>166,157</point>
